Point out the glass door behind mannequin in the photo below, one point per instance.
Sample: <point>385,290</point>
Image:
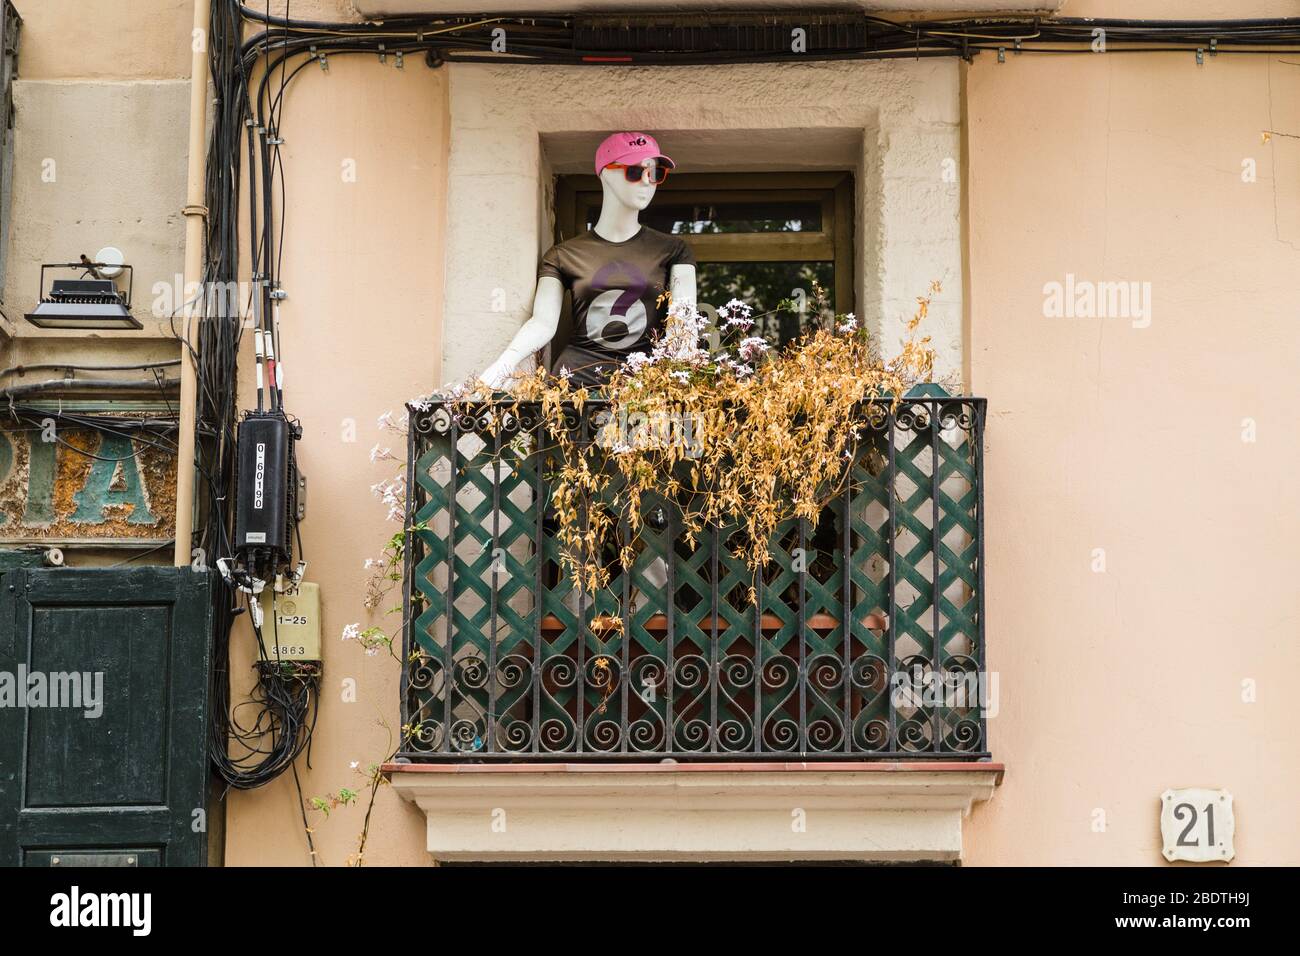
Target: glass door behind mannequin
<point>763,238</point>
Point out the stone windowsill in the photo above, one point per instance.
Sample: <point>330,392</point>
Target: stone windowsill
<point>854,811</point>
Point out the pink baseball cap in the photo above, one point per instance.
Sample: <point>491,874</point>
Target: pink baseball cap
<point>629,148</point>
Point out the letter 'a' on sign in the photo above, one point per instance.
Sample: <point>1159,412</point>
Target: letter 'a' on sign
<point>1197,825</point>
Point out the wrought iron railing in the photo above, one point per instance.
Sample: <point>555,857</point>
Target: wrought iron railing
<point>867,639</point>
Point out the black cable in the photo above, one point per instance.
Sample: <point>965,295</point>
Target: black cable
<point>286,702</point>
<point>245,756</point>
<point>552,39</point>
<point>49,366</point>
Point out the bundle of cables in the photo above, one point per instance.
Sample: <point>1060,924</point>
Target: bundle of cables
<point>256,739</point>
<point>284,704</point>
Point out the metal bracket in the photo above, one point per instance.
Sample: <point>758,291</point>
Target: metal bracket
<point>398,59</point>
<point>1200,56</point>
<point>1214,47</point>
<point>278,293</point>
<point>1002,54</point>
<point>94,859</point>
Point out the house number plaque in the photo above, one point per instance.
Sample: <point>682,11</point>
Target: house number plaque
<point>1197,825</point>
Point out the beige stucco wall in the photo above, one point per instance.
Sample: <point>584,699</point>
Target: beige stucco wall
<point>1119,684</point>
<point>1113,685</point>
<point>100,150</point>
<point>128,39</point>
<point>361,334</point>
<point>74,192</point>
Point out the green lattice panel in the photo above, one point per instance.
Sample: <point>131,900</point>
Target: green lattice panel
<point>511,663</point>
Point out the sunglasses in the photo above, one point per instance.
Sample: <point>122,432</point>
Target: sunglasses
<point>657,172</point>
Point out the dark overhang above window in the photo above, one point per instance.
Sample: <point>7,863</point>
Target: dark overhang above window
<point>552,8</point>
<point>722,32</point>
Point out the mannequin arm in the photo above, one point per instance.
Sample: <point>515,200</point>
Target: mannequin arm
<point>532,335</point>
<point>681,283</point>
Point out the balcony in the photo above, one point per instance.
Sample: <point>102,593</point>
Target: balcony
<point>866,642</point>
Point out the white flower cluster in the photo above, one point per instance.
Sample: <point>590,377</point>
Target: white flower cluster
<point>686,329</point>
<point>752,348</point>
<point>449,392</point>
<point>352,632</point>
<point>723,362</point>
<point>736,315</point>
<point>402,423</point>
<point>392,492</point>
<point>679,343</point>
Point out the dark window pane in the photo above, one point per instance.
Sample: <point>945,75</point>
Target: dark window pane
<point>762,285</point>
<point>682,219</point>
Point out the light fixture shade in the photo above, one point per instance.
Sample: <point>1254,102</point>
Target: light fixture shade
<point>83,304</point>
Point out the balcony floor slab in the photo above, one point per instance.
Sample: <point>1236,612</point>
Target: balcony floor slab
<point>696,812</point>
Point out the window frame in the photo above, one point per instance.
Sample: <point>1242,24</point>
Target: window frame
<point>832,189</point>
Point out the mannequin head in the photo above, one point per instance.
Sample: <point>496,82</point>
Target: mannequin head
<point>635,150</point>
<point>618,190</point>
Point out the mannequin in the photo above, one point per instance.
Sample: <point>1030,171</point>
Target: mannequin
<point>616,273</point>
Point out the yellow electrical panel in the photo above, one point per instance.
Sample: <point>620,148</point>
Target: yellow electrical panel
<point>291,623</point>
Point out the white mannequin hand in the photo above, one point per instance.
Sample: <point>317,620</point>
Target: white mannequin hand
<point>532,336</point>
<point>496,375</point>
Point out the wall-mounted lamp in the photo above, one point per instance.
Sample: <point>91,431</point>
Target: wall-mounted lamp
<point>90,301</point>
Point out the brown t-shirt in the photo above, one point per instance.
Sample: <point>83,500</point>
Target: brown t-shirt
<point>616,289</point>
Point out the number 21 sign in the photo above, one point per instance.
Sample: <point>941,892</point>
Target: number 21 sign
<point>1197,825</point>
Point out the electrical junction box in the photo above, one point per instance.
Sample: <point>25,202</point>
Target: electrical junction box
<point>262,505</point>
<point>291,624</point>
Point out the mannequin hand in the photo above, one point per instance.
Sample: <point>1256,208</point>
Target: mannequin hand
<point>497,375</point>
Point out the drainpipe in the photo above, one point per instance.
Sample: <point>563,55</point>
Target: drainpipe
<point>196,214</point>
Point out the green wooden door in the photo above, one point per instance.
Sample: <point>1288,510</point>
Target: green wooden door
<point>104,760</point>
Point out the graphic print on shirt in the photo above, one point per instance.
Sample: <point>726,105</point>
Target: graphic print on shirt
<point>617,297</point>
<point>616,318</point>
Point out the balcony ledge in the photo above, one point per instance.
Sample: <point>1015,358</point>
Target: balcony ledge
<point>696,812</point>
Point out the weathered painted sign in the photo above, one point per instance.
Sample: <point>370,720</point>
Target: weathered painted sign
<point>62,484</point>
